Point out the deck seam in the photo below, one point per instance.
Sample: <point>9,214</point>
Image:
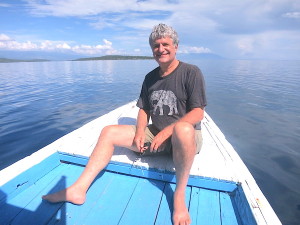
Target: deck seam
<point>128,201</point>
<point>160,201</point>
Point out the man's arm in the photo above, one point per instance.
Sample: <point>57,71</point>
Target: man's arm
<point>193,117</point>
<point>142,122</point>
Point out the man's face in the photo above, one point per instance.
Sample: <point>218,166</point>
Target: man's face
<point>164,51</point>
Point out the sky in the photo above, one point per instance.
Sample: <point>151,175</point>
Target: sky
<point>233,29</point>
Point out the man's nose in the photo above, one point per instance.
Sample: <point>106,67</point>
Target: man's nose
<point>161,48</point>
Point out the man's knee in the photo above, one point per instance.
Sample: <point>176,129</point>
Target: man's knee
<point>184,129</point>
<point>118,135</point>
<point>109,131</point>
<point>183,137</point>
<point>183,140</point>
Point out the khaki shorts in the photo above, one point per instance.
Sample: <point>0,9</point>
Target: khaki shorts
<point>165,148</point>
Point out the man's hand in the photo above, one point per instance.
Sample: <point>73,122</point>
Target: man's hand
<point>192,117</point>
<point>160,139</point>
<point>139,141</point>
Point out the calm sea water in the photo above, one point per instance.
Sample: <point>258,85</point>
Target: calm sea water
<point>255,104</point>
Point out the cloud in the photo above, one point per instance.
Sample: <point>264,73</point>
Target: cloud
<point>90,8</point>
<point>270,44</point>
<point>189,49</point>
<point>294,15</point>
<point>4,37</point>
<point>7,43</point>
<point>225,14</point>
<point>228,17</point>
<point>92,50</point>
<point>5,5</point>
<point>218,26</point>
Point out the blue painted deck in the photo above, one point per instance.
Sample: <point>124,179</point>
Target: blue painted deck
<point>114,198</point>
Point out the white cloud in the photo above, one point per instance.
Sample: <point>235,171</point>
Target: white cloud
<point>4,37</point>
<point>223,27</point>
<point>83,8</point>
<point>190,49</point>
<point>294,15</point>
<point>107,43</point>
<point>93,50</point>
<point>7,43</point>
<point>270,44</point>
<point>233,16</point>
<point>63,46</point>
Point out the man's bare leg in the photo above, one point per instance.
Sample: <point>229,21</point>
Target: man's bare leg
<point>184,147</point>
<point>111,136</point>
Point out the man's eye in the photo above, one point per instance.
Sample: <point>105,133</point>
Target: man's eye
<point>164,45</point>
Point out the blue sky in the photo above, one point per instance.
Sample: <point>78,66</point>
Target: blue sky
<point>237,29</point>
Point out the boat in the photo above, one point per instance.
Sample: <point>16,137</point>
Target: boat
<point>132,189</point>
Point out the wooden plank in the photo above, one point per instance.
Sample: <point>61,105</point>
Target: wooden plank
<point>228,216</point>
<point>40,212</point>
<point>243,207</point>
<point>24,180</point>
<point>206,204</point>
<point>144,203</point>
<point>75,214</point>
<point>164,216</point>
<point>194,205</point>
<point>212,183</point>
<point>21,166</point>
<point>14,206</point>
<point>111,204</point>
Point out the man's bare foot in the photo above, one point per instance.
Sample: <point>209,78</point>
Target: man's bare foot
<point>67,195</point>
<point>181,214</point>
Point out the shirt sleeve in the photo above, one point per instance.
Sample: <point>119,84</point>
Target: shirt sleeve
<point>196,89</point>
<point>143,101</point>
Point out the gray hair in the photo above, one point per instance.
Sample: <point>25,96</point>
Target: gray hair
<point>163,31</point>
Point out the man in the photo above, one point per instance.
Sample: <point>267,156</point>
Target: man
<point>173,96</point>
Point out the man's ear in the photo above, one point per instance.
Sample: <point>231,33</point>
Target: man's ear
<point>176,47</point>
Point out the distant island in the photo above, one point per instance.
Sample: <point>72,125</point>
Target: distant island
<point>106,57</point>
<point>5,60</point>
<point>115,57</point>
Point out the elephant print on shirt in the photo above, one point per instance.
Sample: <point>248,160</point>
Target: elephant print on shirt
<point>160,98</point>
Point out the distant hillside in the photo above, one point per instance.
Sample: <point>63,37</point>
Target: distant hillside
<point>116,57</point>
<point>5,60</point>
<point>44,58</point>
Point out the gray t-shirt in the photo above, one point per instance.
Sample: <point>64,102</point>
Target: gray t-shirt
<point>169,98</point>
